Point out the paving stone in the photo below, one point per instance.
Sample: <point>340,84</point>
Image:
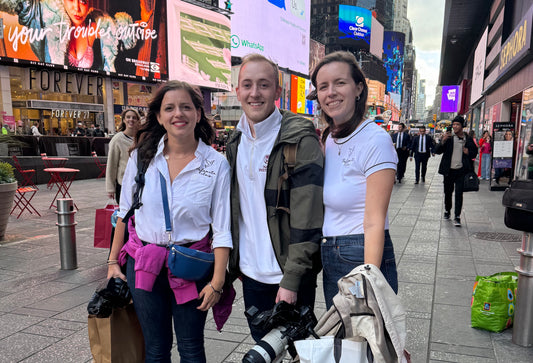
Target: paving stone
<point>506,351</point>
<point>455,266</point>
<point>422,249</point>
<point>18,346</point>
<point>72,349</point>
<point>12,323</point>
<point>453,291</point>
<point>417,340</point>
<point>451,325</point>
<point>416,272</point>
<point>416,297</point>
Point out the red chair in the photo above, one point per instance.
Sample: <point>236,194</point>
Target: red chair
<point>101,166</point>
<point>27,174</point>
<point>22,201</point>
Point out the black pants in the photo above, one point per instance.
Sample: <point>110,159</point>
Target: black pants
<point>421,160</point>
<point>454,179</point>
<point>402,162</point>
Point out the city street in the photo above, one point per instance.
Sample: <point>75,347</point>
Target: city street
<point>43,316</point>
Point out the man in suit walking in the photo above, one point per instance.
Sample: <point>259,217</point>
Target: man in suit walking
<point>421,147</point>
<point>458,151</point>
<point>402,142</point>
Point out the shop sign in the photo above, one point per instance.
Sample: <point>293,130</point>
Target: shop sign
<point>63,82</point>
<point>70,114</point>
<point>517,45</point>
<point>127,37</point>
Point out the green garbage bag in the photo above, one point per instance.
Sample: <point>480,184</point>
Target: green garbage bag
<point>493,301</point>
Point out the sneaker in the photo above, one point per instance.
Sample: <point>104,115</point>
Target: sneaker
<point>457,222</point>
<point>446,215</point>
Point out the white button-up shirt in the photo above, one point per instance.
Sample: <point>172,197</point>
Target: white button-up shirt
<point>257,258</point>
<point>199,197</point>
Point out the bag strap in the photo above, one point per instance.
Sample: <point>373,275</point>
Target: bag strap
<point>289,162</point>
<point>137,195</point>
<point>166,209</point>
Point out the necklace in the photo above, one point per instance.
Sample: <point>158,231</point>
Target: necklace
<point>339,144</point>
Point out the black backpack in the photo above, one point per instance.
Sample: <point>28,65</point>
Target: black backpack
<point>518,203</point>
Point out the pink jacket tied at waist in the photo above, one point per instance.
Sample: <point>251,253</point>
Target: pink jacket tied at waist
<point>150,259</point>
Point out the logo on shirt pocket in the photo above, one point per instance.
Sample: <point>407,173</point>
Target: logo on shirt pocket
<point>263,168</point>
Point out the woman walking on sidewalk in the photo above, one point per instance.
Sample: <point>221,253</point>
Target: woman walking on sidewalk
<point>485,149</point>
<point>360,167</point>
<point>174,145</point>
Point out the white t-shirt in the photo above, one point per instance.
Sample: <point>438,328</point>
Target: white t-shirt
<point>348,163</point>
<point>35,131</point>
<point>257,258</point>
<point>198,198</point>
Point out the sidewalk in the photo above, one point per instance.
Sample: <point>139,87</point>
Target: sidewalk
<point>43,315</point>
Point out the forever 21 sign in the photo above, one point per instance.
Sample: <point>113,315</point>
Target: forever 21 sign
<point>44,80</point>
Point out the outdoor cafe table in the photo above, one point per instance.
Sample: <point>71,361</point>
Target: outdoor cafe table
<point>62,177</point>
<point>53,162</point>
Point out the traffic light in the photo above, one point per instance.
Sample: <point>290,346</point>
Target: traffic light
<point>434,117</point>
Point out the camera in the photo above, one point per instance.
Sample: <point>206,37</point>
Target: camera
<point>448,129</point>
<point>285,323</point>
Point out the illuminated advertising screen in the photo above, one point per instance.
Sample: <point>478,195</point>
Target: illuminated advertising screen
<point>277,29</point>
<point>355,23</point>
<point>123,38</point>
<point>393,46</point>
<point>450,99</point>
<point>376,38</point>
<point>199,47</point>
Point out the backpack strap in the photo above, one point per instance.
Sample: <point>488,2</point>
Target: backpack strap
<point>137,195</point>
<point>289,162</point>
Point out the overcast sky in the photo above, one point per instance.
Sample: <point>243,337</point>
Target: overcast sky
<point>426,17</point>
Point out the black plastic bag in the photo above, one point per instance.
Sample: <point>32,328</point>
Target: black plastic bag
<point>116,294</point>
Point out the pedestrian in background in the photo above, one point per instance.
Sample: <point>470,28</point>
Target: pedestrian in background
<point>275,249</point>
<point>35,129</point>
<point>485,150</point>
<point>173,145</point>
<point>119,152</point>
<point>422,146</point>
<point>458,151</point>
<point>402,142</point>
<point>359,175</point>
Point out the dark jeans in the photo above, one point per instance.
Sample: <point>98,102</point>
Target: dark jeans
<point>421,160</point>
<point>341,254</point>
<point>155,311</point>
<point>263,297</point>
<point>403,155</point>
<point>454,179</point>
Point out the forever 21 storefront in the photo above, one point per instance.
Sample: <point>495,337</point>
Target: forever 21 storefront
<point>43,79</point>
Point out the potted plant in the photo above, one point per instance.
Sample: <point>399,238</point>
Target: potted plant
<point>8,187</point>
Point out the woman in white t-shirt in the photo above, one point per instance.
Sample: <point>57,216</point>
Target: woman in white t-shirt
<point>359,175</point>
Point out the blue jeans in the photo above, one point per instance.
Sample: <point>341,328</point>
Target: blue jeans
<point>263,297</point>
<point>155,311</point>
<point>341,254</point>
<point>485,166</point>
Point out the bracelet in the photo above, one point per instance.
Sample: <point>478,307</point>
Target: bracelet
<point>112,262</point>
<point>217,291</point>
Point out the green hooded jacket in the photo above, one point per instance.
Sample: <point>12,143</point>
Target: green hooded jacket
<point>295,235</point>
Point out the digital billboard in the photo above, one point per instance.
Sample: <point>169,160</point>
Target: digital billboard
<point>277,29</point>
<point>200,46</point>
<point>393,48</point>
<point>376,38</point>
<point>478,75</point>
<point>450,99</point>
<point>123,38</point>
<point>355,23</point>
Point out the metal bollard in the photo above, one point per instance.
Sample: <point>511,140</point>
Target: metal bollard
<point>523,317</point>
<point>67,234</point>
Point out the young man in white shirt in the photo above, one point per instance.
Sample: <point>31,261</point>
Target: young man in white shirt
<point>276,230</point>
